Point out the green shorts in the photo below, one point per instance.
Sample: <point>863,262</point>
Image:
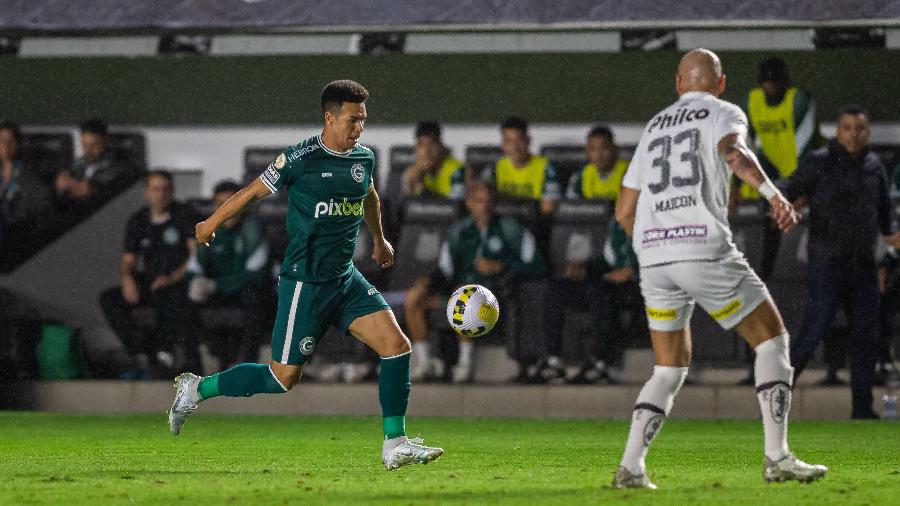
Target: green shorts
<point>306,310</point>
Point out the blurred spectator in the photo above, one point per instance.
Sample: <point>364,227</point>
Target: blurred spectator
<point>783,123</point>
<point>99,173</point>
<point>434,172</point>
<point>846,187</point>
<point>27,204</point>
<point>482,248</point>
<point>601,178</point>
<point>232,274</point>
<point>159,240</point>
<point>784,128</point>
<point>521,175</point>
<point>886,370</point>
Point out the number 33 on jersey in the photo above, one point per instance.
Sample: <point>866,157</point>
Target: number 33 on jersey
<point>682,210</point>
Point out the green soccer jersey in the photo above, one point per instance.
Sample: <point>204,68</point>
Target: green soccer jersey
<point>326,190</point>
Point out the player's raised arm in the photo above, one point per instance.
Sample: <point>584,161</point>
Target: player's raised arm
<point>382,251</point>
<point>232,207</point>
<point>742,161</point>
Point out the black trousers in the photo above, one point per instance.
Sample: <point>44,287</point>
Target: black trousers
<point>231,341</point>
<point>165,331</point>
<point>850,284</point>
<point>604,301</point>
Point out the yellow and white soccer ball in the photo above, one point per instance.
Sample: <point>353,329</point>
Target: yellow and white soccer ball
<point>473,310</point>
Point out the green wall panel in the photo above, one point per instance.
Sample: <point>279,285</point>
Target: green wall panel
<point>405,88</point>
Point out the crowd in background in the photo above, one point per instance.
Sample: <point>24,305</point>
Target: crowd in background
<point>174,297</point>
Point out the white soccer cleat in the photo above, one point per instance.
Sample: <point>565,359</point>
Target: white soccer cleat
<point>792,468</point>
<point>410,451</point>
<point>186,400</point>
<point>624,479</point>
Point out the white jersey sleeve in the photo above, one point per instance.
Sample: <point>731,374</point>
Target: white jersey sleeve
<point>632,177</point>
<point>730,120</point>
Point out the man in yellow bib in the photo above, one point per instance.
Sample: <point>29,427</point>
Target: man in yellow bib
<point>783,129</point>
<point>783,122</point>
<point>434,172</point>
<point>601,178</point>
<point>520,174</point>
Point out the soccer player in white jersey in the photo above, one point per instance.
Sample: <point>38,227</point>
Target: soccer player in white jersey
<point>674,204</point>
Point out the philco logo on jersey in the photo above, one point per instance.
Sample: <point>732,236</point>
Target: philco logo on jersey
<point>680,232</point>
<point>297,154</point>
<point>345,208</point>
<point>682,115</point>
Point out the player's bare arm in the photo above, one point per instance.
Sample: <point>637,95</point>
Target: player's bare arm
<point>382,251</point>
<point>235,205</point>
<point>742,161</point>
<point>626,207</point>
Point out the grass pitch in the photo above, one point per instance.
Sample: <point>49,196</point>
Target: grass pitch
<point>121,459</point>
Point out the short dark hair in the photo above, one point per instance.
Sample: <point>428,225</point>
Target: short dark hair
<point>515,123</point>
<point>336,93</point>
<point>480,184</point>
<point>226,186</point>
<point>774,69</point>
<point>159,173</point>
<point>94,126</point>
<point>14,128</point>
<point>602,131</point>
<point>853,110</point>
<point>429,129</point>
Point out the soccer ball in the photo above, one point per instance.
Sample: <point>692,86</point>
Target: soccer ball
<point>473,310</point>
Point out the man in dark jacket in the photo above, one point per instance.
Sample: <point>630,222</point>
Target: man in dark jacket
<point>846,187</point>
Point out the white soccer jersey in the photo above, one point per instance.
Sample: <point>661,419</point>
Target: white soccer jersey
<point>682,211</point>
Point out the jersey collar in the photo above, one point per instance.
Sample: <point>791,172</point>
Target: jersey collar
<point>330,151</point>
<point>694,94</point>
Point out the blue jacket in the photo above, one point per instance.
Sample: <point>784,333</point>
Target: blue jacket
<point>848,199</point>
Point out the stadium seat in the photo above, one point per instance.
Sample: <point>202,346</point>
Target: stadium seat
<point>130,146</point>
<point>566,158</point>
<point>424,228</point>
<point>53,151</point>
<point>482,157</point>
<point>747,228</point>
<point>579,231</point>
<point>256,159</point>
<point>525,210</point>
<point>401,157</point>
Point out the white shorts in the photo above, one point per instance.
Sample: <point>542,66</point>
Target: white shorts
<point>727,289</point>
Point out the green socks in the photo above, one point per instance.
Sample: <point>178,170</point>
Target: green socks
<point>242,380</point>
<point>393,394</point>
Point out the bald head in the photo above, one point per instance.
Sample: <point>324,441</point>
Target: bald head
<point>700,70</point>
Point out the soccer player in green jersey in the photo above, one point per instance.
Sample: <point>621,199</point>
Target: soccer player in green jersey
<point>330,192</point>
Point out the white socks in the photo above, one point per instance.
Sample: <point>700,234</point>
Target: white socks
<point>650,411</point>
<point>465,352</point>
<point>773,389</point>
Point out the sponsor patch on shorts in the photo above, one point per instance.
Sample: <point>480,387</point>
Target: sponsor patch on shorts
<point>729,309</point>
<point>661,314</point>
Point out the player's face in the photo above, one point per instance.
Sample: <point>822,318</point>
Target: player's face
<point>428,151</point>
<point>347,126</point>
<point>91,146</point>
<point>158,193</point>
<point>600,151</point>
<point>7,145</point>
<point>514,144</point>
<point>479,203</point>
<point>853,132</point>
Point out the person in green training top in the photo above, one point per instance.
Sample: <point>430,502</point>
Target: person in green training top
<point>232,275</point>
<point>330,192</point>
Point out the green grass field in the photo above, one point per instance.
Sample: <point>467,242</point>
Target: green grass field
<point>121,459</point>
